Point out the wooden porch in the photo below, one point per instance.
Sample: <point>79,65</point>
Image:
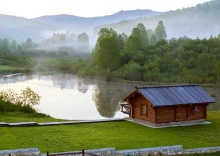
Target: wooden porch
<point>126,108</point>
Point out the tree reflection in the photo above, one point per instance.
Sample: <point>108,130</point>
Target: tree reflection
<point>82,86</point>
<point>64,81</point>
<point>106,97</point>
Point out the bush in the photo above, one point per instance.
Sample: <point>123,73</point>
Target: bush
<point>11,101</point>
<point>7,106</point>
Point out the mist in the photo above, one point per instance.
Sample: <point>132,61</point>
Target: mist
<point>68,42</point>
<point>201,21</point>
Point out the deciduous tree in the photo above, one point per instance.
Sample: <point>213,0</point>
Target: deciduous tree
<point>134,41</point>
<point>106,54</point>
<point>143,34</point>
<point>160,31</point>
<point>83,42</point>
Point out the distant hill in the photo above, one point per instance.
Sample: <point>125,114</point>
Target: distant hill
<point>18,28</point>
<point>200,21</point>
<point>83,24</point>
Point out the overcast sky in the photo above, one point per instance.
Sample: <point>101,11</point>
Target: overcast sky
<point>87,8</point>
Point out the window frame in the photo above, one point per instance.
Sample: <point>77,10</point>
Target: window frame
<point>144,110</point>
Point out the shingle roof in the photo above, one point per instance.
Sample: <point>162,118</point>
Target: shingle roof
<point>175,95</point>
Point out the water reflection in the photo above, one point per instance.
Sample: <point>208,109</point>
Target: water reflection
<point>67,96</point>
<point>82,86</point>
<point>105,100</point>
<point>107,95</point>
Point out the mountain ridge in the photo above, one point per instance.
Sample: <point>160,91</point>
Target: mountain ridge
<point>66,21</point>
<point>203,20</point>
<point>39,28</point>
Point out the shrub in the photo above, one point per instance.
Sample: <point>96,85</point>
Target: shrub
<point>11,101</point>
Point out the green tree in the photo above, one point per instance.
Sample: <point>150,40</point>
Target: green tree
<point>13,46</point>
<point>160,31</point>
<point>106,54</point>
<point>152,71</point>
<point>149,33</point>
<point>83,38</point>
<point>143,34</point>
<point>153,39</point>
<point>124,36</point>
<point>217,70</point>
<point>121,42</point>
<point>134,41</point>
<point>28,45</point>
<point>218,36</point>
<point>5,45</point>
<point>133,71</point>
<point>83,42</point>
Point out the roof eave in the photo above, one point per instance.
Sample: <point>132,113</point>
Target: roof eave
<point>132,93</point>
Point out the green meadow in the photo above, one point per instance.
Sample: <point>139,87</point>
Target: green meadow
<point>121,135</point>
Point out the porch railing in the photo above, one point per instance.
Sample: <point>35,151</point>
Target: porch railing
<point>126,108</point>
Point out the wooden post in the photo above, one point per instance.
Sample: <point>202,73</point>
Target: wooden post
<point>176,113</point>
<point>47,153</point>
<point>83,152</point>
<point>205,112</point>
<point>155,115</point>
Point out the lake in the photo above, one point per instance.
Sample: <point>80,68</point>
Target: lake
<point>67,96</point>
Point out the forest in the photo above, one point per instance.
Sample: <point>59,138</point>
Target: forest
<point>147,55</point>
<point>144,55</point>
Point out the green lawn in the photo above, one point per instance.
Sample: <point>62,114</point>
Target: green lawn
<point>121,135</point>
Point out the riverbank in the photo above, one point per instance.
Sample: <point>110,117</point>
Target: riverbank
<point>9,117</point>
<point>103,78</point>
<point>7,69</point>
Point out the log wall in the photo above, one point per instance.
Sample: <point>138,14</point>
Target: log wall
<point>166,114</point>
<point>136,103</point>
<point>180,113</point>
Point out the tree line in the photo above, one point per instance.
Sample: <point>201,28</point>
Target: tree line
<point>56,53</point>
<point>147,55</point>
<point>143,55</point>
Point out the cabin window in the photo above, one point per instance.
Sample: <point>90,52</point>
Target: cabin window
<point>195,109</point>
<point>143,109</point>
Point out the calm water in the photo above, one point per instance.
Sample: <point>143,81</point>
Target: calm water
<point>70,97</point>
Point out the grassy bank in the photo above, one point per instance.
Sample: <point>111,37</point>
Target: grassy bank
<point>25,117</point>
<point>4,69</point>
<point>121,135</point>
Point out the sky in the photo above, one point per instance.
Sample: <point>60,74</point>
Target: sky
<point>87,8</point>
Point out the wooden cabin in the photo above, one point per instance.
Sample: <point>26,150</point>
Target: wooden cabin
<point>165,104</point>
